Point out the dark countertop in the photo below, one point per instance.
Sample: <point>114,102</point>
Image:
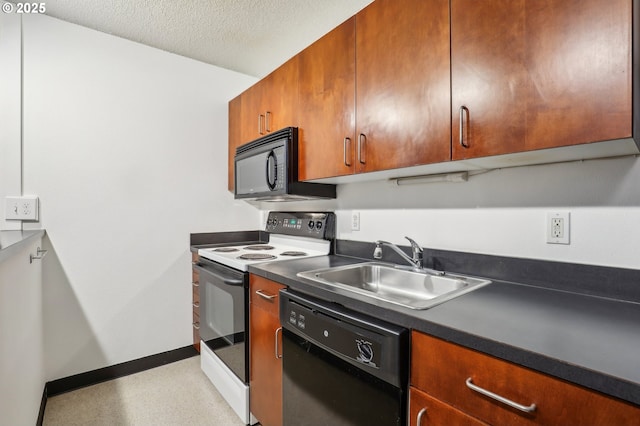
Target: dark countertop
<point>12,241</point>
<point>588,340</point>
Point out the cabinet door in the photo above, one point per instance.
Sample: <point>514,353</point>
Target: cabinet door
<point>235,137</point>
<point>265,343</point>
<point>431,412</point>
<point>280,96</point>
<point>327,105</point>
<point>270,104</point>
<point>488,77</point>
<point>443,370</point>
<point>528,75</point>
<point>403,84</point>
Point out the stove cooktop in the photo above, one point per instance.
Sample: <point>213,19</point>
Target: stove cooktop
<point>293,235</point>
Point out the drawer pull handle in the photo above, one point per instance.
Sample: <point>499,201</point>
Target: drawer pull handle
<point>527,409</point>
<point>196,284</point>
<point>265,296</point>
<point>196,325</point>
<point>420,414</point>
<point>196,305</point>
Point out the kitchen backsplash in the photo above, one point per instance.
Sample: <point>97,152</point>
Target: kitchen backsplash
<point>503,212</point>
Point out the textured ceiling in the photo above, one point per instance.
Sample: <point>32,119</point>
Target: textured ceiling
<point>249,36</point>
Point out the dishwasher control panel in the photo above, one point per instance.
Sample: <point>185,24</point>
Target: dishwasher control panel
<point>335,335</point>
<point>375,346</point>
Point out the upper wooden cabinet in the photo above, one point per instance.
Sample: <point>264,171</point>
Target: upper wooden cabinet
<point>267,106</point>
<point>374,92</point>
<point>528,75</point>
<point>326,114</point>
<point>403,84</point>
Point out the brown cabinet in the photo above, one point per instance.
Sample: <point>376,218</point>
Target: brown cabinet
<point>235,138</point>
<point>195,302</point>
<point>447,372</point>
<point>375,93</point>
<point>326,112</point>
<point>403,84</point>
<point>425,410</point>
<point>267,106</point>
<point>527,75</point>
<point>265,351</point>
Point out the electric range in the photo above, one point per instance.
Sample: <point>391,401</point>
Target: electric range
<point>224,295</point>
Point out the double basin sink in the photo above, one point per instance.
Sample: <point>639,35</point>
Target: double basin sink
<point>408,287</point>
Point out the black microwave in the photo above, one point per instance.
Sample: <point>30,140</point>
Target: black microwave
<point>266,169</point>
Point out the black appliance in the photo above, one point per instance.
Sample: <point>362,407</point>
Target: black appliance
<point>266,169</point>
<point>340,367</point>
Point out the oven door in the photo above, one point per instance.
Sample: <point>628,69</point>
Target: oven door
<point>224,294</point>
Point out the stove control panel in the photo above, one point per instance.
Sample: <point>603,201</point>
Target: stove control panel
<point>320,225</point>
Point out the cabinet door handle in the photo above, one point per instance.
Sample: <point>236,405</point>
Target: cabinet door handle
<point>196,325</point>
<point>196,305</point>
<point>347,141</point>
<point>260,118</point>
<point>362,140</point>
<point>527,409</point>
<point>265,295</point>
<point>420,414</point>
<point>278,330</point>
<point>195,284</point>
<point>267,127</point>
<point>463,111</point>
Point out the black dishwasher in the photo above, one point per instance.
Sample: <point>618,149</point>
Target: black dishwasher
<point>340,367</point>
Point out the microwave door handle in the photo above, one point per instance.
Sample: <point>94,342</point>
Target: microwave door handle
<point>225,280</point>
<point>272,170</point>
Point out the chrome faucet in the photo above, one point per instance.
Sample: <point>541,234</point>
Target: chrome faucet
<point>416,261</point>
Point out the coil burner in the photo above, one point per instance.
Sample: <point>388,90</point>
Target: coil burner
<point>293,253</point>
<point>257,256</point>
<point>226,249</point>
<point>259,247</point>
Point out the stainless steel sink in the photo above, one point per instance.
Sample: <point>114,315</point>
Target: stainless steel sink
<point>415,289</point>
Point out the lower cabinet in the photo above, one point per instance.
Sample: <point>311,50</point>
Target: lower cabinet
<point>446,374</point>
<point>195,302</point>
<point>425,410</point>
<point>265,351</point>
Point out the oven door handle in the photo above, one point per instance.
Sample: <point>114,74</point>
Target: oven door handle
<point>219,277</point>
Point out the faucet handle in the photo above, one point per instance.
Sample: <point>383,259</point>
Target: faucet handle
<point>414,246</point>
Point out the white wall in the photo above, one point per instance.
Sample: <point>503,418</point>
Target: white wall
<point>126,146</point>
<point>21,327</point>
<point>10,143</point>
<point>503,212</point>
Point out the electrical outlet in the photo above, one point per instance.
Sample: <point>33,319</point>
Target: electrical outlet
<point>558,227</point>
<point>355,221</point>
<point>21,208</point>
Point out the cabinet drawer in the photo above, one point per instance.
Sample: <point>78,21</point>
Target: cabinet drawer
<point>432,412</point>
<point>263,293</point>
<point>196,330</point>
<point>443,370</point>
<point>194,257</point>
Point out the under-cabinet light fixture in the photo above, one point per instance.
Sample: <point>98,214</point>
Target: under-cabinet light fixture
<point>445,177</point>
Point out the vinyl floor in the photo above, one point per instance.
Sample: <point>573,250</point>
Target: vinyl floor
<point>174,394</point>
